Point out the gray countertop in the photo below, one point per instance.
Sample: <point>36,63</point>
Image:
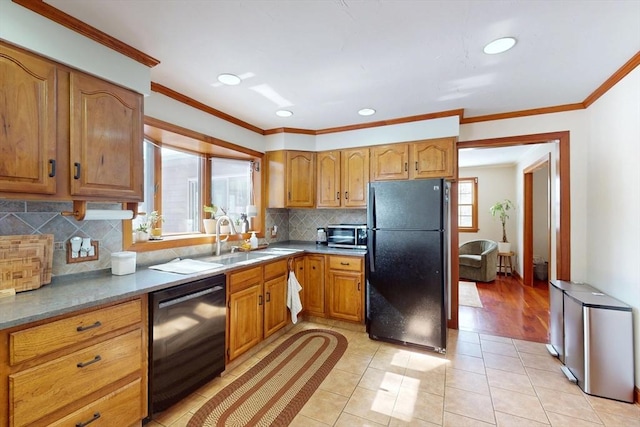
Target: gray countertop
<point>74,292</point>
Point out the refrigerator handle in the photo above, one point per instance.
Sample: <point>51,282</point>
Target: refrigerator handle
<point>371,209</point>
<point>370,246</point>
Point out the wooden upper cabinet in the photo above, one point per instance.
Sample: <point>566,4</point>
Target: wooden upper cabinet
<point>300,179</point>
<point>329,189</point>
<point>105,140</point>
<point>434,158</point>
<point>342,178</point>
<point>28,127</point>
<point>355,177</point>
<point>390,162</point>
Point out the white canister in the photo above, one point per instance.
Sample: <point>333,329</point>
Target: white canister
<point>123,263</point>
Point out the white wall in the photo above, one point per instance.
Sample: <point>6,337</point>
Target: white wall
<point>495,183</point>
<point>31,31</point>
<point>613,200</point>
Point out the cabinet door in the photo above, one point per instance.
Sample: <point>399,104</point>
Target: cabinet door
<point>106,140</point>
<point>355,177</point>
<point>245,320</point>
<point>435,158</point>
<point>300,182</point>
<point>329,190</point>
<point>345,295</point>
<point>389,162</point>
<point>275,304</point>
<point>314,285</point>
<point>28,112</point>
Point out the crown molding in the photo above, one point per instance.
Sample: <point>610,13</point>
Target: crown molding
<point>68,21</point>
<point>158,88</point>
<point>622,72</point>
<point>523,113</point>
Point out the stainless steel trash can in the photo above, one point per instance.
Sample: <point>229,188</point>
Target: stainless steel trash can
<point>599,344</point>
<point>557,289</point>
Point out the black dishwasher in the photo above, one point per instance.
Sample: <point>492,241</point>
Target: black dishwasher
<point>186,339</point>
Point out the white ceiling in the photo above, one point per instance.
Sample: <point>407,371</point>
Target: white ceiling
<point>326,59</point>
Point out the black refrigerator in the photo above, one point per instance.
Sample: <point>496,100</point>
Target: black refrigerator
<point>407,251</point>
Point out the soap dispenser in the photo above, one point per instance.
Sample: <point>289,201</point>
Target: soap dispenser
<point>253,240</point>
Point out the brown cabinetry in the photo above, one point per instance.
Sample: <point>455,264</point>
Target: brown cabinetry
<point>275,297</point>
<point>106,140</point>
<point>291,179</point>
<point>66,134</point>
<point>28,111</point>
<point>93,363</point>
<point>314,289</point>
<point>245,311</point>
<point>433,158</point>
<point>257,305</point>
<point>342,178</point>
<point>345,288</point>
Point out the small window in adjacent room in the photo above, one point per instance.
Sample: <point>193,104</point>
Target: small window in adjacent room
<point>468,204</point>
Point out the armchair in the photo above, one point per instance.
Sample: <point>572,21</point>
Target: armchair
<point>478,259</point>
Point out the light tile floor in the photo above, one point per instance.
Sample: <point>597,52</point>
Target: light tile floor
<point>483,380</point>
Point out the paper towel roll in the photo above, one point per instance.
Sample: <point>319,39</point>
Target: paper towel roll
<point>106,214</point>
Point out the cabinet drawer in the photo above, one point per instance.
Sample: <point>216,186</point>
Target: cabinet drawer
<point>38,391</point>
<point>275,269</point>
<point>241,279</point>
<point>40,340</point>
<point>120,408</point>
<point>345,263</point>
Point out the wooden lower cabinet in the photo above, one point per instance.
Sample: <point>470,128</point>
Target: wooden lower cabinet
<point>314,292</point>
<point>345,285</point>
<point>275,297</point>
<point>257,306</point>
<point>78,369</point>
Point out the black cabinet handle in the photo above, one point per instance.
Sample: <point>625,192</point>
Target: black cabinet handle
<point>52,170</point>
<point>85,328</point>
<point>259,299</point>
<point>416,165</point>
<point>358,286</point>
<point>406,166</point>
<point>90,362</point>
<point>86,423</point>
<point>337,195</point>
<point>346,194</point>
<point>268,296</point>
<point>76,165</point>
<point>289,195</point>
<point>344,263</point>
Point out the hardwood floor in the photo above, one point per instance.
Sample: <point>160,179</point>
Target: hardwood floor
<point>509,310</point>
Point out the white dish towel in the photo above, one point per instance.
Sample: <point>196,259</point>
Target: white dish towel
<point>293,296</point>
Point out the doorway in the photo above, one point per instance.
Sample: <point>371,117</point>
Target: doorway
<point>560,214</point>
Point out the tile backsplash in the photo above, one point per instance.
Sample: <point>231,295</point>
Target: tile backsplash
<point>36,217</point>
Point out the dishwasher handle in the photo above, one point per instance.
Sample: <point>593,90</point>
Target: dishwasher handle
<point>174,301</point>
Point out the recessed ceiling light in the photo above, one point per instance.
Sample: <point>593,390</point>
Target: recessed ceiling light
<point>367,112</point>
<point>499,45</point>
<point>229,79</point>
<point>284,113</point>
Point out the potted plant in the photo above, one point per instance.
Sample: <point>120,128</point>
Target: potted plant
<point>500,210</point>
<point>142,232</point>
<point>210,223</point>
<point>155,223</point>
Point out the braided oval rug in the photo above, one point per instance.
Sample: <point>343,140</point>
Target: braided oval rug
<point>273,391</point>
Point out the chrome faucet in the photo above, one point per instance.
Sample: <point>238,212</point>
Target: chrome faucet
<point>233,231</point>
